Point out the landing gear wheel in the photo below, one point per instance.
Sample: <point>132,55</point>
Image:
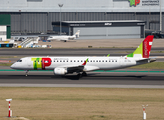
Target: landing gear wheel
<point>79,75</point>
<point>84,74</point>
<point>26,73</point>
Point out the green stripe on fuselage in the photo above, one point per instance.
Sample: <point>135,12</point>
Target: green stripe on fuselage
<point>37,63</point>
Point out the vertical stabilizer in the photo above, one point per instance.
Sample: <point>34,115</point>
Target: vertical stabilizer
<point>77,34</point>
<point>143,51</point>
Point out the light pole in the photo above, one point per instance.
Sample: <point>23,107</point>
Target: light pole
<point>160,16</point>
<point>60,5</point>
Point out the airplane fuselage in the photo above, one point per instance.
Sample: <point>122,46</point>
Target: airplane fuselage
<point>94,63</point>
<point>61,38</point>
<point>66,65</point>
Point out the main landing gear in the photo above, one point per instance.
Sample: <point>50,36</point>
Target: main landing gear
<point>26,73</point>
<point>83,74</point>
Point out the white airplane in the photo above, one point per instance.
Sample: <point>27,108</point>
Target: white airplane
<point>65,38</point>
<point>67,65</point>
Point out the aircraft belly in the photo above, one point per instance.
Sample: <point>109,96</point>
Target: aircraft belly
<point>109,66</point>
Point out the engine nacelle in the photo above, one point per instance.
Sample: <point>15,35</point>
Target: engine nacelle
<point>60,71</point>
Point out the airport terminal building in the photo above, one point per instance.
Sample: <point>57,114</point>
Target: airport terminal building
<point>43,16</point>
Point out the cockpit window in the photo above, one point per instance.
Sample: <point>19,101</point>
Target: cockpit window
<point>19,61</point>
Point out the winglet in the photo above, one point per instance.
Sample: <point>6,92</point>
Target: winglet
<point>108,55</point>
<point>85,62</point>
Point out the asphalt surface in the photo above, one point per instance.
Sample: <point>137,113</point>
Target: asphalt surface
<point>93,79</point>
<point>73,52</point>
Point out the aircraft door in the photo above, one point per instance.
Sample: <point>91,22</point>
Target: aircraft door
<point>29,62</point>
<point>122,63</point>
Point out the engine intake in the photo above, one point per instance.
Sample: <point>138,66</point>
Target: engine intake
<point>60,71</point>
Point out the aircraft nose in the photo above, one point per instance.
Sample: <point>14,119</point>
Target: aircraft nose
<point>12,66</point>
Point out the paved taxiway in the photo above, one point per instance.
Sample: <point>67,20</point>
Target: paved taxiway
<point>94,79</point>
<point>74,52</point>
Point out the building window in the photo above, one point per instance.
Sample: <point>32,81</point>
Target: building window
<point>2,32</point>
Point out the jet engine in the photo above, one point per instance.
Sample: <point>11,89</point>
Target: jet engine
<point>60,71</point>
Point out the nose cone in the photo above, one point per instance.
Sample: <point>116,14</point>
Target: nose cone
<point>12,66</point>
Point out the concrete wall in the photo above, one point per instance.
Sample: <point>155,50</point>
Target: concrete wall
<point>3,31</point>
<point>80,6</point>
<point>41,22</point>
<point>108,32</point>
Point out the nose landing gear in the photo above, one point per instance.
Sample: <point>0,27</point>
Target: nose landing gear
<point>26,73</point>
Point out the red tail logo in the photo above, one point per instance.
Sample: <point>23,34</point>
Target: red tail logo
<point>147,43</point>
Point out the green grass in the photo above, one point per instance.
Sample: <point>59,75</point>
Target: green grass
<point>154,65</point>
<point>82,103</point>
<point>6,64</point>
<point>157,51</point>
<point>2,57</point>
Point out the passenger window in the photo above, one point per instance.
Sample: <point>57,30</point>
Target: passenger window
<point>99,60</point>
<point>63,60</point>
<point>78,61</point>
<point>81,61</point>
<point>74,60</point>
<point>91,60</point>
<point>103,61</point>
<point>96,60</point>
<point>71,61</point>
<point>106,61</point>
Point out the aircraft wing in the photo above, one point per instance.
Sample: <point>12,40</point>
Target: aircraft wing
<point>79,68</point>
<point>74,68</point>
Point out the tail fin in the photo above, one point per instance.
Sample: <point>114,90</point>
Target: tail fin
<point>143,51</point>
<point>77,34</point>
